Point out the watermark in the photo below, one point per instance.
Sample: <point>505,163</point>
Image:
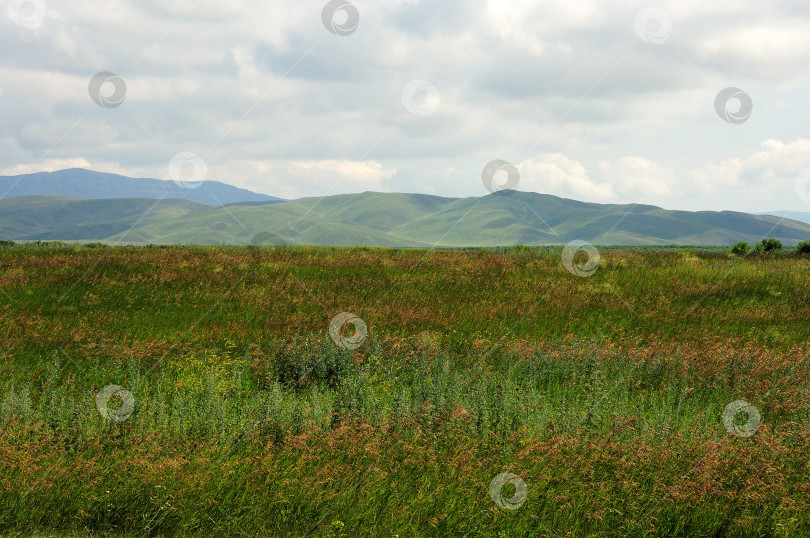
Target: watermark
<point>590,265</point>
<point>340,17</point>
<point>124,411</point>
<point>28,13</point>
<point>188,170</point>
<point>267,239</point>
<point>733,105</point>
<point>653,25</point>
<point>733,410</point>
<point>802,185</point>
<point>420,98</point>
<point>518,497</point>
<point>500,177</point>
<point>107,90</point>
<point>348,342</point>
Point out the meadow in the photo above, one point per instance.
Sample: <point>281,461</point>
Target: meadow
<point>169,391</point>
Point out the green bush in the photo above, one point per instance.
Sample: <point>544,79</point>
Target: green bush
<point>768,245</point>
<point>740,249</point>
<point>521,250</point>
<point>305,364</point>
<point>803,247</point>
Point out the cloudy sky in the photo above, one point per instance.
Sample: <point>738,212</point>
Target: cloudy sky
<point>609,101</point>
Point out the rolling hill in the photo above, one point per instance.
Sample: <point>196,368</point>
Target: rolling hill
<point>415,220</point>
<point>58,217</point>
<point>102,209</point>
<point>87,184</point>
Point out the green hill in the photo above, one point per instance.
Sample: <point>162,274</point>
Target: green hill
<point>385,220</point>
<point>57,217</point>
<point>395,219</point>
<point>354,219</point>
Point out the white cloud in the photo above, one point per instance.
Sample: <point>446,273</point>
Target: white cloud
<point>294,179</point>
<point>559,175</point>
<point>47,165</point>
<point>638,179</point>
<point>765,176</point>
<point>341,176</point>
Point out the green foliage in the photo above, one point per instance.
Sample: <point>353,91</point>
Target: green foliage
<point>740,249</point>
<point>303,364</point>
<point>16,404</point>
<point>770,245</point>
<point>773,245</point>
<point>803,247</point>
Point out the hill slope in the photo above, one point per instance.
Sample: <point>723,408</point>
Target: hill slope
<point>393,219</point>
<point>385,219</point>
<point>58,217</point>
<point>87,184</point>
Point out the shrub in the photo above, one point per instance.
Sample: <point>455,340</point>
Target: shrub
<point>803,247</point>
<point>771,245</point>
<point>303,364</point>
<point>740,249</point>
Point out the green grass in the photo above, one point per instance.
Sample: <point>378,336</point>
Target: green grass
<point>605,396</point>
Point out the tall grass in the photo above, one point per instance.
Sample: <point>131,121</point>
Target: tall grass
<point>409,439</point>
<point>248,419</point>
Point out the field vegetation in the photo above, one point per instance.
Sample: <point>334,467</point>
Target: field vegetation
<point>197,390</point>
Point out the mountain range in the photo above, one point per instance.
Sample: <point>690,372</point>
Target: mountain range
<point>801,216</point>
<point>92,206</point>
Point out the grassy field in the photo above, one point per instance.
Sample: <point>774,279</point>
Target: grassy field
<point>233,410</point>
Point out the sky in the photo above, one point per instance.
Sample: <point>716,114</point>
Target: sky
<point>685,105</point>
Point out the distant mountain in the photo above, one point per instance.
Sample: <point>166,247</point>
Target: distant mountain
<point>87,184</point>
<point>393,219</point>
<point>794,215</point>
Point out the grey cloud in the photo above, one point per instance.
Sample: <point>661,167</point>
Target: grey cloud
<point>229,65</point>
<point>546,77</point>
<point>432,18</point>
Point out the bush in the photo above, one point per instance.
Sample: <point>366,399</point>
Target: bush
<point>768,245</point>
<point>740,249</point>
<point>304,364</point>
<point>771,245</point>
<point>803,247</point>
